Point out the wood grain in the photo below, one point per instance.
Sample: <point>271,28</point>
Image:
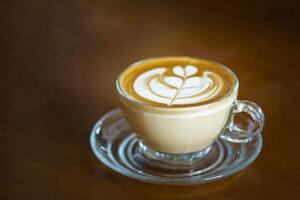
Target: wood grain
<point>58,63</point>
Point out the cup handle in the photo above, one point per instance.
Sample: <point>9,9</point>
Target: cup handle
<point>233,131</point>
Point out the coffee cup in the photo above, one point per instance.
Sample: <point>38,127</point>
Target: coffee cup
<point>179,106</point>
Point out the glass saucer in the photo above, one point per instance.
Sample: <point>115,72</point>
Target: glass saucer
<point>117,147</point>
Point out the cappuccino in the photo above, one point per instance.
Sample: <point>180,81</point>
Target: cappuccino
<point>177,104</point>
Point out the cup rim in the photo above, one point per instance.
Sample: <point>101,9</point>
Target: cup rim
<point>122,93</point>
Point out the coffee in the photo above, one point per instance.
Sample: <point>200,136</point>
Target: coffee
<point>176,82</point>
<point>177,104</point>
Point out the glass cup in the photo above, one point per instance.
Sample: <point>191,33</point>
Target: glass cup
<point>183,135</point>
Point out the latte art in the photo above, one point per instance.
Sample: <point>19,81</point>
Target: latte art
<point>183,87</point>
<point>175,82</point>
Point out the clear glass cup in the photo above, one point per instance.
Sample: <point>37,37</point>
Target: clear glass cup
<point>181,136</point>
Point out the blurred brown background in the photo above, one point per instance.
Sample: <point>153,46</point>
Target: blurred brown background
<point>58,63</point>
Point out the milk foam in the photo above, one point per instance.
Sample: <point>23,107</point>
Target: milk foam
<point>183,88</point>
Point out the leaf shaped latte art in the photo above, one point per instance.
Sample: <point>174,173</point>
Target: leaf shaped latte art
<point>182,88</point>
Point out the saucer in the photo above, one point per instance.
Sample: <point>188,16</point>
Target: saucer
<point>117,147</point>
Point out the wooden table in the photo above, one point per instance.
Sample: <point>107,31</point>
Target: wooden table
<point>59,60</point>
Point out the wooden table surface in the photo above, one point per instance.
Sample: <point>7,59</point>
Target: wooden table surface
<point>59,60</point>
